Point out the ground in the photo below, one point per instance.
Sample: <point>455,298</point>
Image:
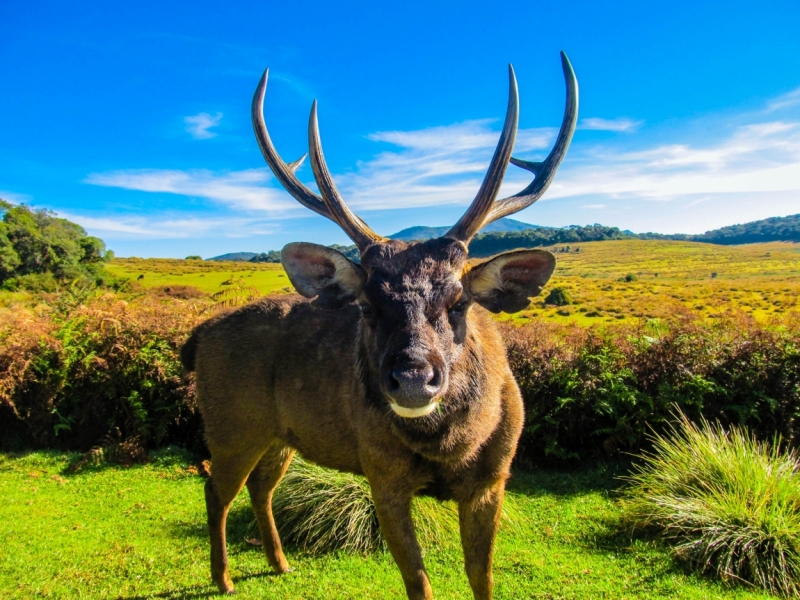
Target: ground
<point>139,532</point>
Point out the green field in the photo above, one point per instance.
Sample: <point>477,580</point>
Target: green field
<point>139,532</point>
<point>207,276</point>
<point>761,279</point>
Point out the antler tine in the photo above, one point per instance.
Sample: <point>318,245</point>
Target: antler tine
<point>472,220</point>
<point>285,173</point>
<point>353,226</point>
<point>543,171</point>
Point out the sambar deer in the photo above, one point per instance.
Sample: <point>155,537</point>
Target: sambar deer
<point>391,368</point>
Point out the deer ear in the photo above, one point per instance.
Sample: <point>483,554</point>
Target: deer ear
<point>324,273</point>
<point>506,282</point>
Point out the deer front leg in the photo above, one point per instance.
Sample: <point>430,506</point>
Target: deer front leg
<point>478,519</point>
<point>394,517</point>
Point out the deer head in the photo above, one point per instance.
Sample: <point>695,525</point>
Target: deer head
<point>416,298</point>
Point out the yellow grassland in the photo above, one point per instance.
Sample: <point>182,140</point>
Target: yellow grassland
<point>761,279</point>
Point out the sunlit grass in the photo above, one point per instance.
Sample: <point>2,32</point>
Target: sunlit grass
<point>207,276</point>
<point>139,532</point>
<point>762,280</point>
<point>729,504</point>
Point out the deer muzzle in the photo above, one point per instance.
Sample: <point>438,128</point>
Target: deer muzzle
<point>414,390</point>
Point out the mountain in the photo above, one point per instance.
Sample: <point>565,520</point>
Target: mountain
<point>509,234</point>
<point>421,233</point>
<point>235,256</point>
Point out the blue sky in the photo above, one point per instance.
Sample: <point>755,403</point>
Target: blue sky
<point>133,118</point>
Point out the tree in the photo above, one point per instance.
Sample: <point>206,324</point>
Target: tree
<point>37,242</point>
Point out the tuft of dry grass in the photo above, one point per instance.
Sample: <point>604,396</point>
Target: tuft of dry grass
<point>728,503</point>
<point>319,510</point>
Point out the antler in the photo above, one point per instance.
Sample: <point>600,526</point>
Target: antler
<point>330,205</point>
<point>484,209</point>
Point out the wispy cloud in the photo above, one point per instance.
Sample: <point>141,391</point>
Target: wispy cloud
<point>199,125</point>
<point>619,124</point>
<point>168,226</point>
<point>430,167</point>
<point>761,157</point>
<point>14,197</point>
<point>242,190</point>
<point>757,161</point>
<point>785,101</point>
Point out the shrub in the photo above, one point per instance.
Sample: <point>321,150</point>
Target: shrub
<point>729,504</point>
<point>558,296</point>
<point>96,367</point>
<point>592,391</point>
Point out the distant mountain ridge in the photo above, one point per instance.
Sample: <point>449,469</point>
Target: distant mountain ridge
<point>509,234</point>
<point>421,233</point>
<point>235,256</point>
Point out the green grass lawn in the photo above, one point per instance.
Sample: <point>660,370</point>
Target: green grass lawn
<point>207,276</point>
<point>139,532</point>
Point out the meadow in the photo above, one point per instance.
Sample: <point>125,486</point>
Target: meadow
<point>139,532</point>
<point>760,279</point>
<point>206,276</point>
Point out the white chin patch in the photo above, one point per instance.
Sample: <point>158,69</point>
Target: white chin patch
<point>414,413</point>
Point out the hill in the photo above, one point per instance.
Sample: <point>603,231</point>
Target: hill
<point>421,232</point>
<point>509,234</point>
<point>235,256</point>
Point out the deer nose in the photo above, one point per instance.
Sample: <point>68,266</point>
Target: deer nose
<point>415,385</point>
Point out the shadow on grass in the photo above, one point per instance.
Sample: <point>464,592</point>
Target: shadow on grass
<point>602,476</point>
<point>87,463</point>
<point>197,591</point>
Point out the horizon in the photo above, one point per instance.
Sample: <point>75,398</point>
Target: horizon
<point>134,121</point>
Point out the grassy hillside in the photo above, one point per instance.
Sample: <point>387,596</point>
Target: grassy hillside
<point>761,279</point>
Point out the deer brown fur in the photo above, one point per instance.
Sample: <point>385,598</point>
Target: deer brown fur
<point>391,368</point>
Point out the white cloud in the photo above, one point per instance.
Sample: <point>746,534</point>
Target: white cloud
<point>14,197</point>
<point>170,226</point>
<point>242,190</point>
<point>198,125</point>
<point>435,166</point>
<point>785,101</point>
<point>753,168</point>
<point>618,124</point>
<point>761,157</point>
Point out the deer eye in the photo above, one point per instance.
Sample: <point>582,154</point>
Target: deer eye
<point>458,309</point>
<point>366,310</point>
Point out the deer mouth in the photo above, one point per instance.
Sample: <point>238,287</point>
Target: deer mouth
<point>417,411</point>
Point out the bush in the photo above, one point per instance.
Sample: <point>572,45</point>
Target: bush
<point>729,504</point>
<point>558,296</point>
<point>592,392</point>
<point>96,367</point>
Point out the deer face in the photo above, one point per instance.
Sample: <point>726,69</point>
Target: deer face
<point>414,302</point>
<point>415,298</point>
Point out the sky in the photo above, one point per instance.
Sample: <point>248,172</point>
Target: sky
<point>132,119</point>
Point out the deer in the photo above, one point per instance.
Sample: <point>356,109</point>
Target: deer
<point>391,368</point>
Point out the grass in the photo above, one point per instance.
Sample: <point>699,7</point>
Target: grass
<point>207,276</point>
<point>760,279</point>
<point>729,504</point>
<point>139,532</point>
